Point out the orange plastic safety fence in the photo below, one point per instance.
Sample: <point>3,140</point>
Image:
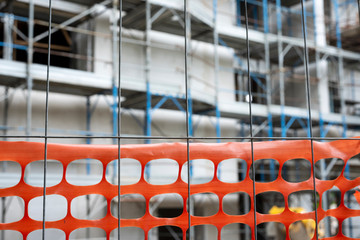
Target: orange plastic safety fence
<point>26,152</point>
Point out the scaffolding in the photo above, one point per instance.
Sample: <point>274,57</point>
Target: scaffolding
<point>278,43</point>
<point>273,43</point>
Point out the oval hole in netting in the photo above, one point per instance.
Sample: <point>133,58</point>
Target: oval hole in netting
<point>328,227</point>
<point>11,234</point>
<point>303,201</point>
<point>167,205</point>
<point>349,227</point>
<point>271,230</point>
<point>201,232</point>
<point>56,208</point>
<point>132,206</point>
<point>133,233</point>
<point>84,172</point>
<point>49,233</point>
<point>204,204</point>
<point>296,170</point>
<point>165,232</point>
<point>161,171</point>
<point>331,198</point>
<point>34,173</point>
<point>236,231</point>
<point>15,209</point>
<point>352,170</point>
<point>130,171</point>
<point>270,203</point>
<point>349,199</point>
<point>89,207</point>
<point>232,170</point>
<point>302,230</point>
<point>237,203</point>
<point>201,171</point>
<point>10,174</point>
<point>266,170</point>
<point>88,233</point>
<point>328,168</point>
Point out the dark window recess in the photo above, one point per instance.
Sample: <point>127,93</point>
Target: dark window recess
<point>335,103</point>
<point>258,90</point>
<point>65,47</point>
<point>254,12</point>
<point>238,83</point>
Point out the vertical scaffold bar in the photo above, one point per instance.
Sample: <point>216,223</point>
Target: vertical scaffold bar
<point>342,91</point>
<point>119,119</point>
<point>337,23</point>
<point>216,69</point>
<point>188,68</point>
<point>238,13</point>
<point>281,67</point>
<point>6,113</point>
<point>114,71</point>
<point>267,66</point>
<point>148,110</point>
<point>29,80</point>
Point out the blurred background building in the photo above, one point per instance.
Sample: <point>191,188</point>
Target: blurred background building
<point>83,98</point>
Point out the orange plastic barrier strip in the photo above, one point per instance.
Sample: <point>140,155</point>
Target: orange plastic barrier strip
<point>26,152</point>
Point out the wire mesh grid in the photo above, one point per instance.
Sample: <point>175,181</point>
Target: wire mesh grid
<point>188,137</point>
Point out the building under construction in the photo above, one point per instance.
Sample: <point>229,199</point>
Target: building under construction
<point>95,55</point>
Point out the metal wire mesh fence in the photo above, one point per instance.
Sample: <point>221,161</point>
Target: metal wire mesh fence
<point>184,155</point>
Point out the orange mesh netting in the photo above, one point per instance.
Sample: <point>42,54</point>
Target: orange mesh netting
<point>25,153</point>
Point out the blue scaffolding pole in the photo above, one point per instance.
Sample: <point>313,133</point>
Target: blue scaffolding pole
<point>216,73</point>
<point>148,112</point>
<point>267,62</point>
<point>238,11</point>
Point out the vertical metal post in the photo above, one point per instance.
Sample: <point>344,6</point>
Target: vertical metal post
<point>8,38</point>
<point>321,64</point>
<point>148,114</point>
<point>190,105</point>
<point>238,12</point>
<point>337,24</point>
<point>255,12</point>
<point>281,67</point>
<point>114,71</point>
<point>289,22</point>
<point>342,91</point>
<point>216,69</point>
<point>317,68</point>
<point>29,80</point>
<point>340,66</point>
<point>89,47</point>
<point>267,66</point>
<point>353,91</point>
<point>6,113</point>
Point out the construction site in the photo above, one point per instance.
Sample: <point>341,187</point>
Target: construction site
<point>165,76</point>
